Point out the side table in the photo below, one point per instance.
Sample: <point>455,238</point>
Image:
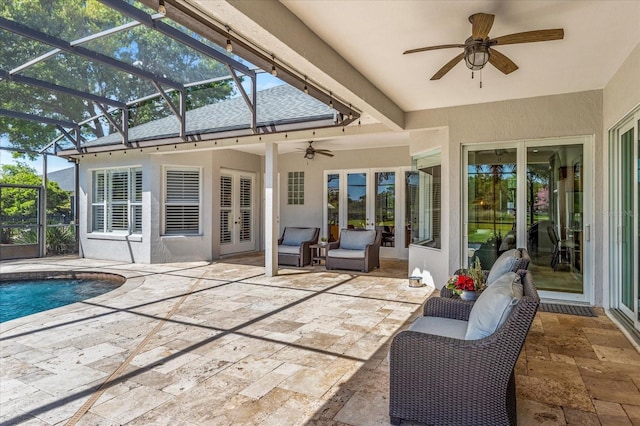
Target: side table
<point>318,253</point>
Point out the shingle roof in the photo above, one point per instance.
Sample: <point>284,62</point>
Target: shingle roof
<point>276,105</point>
<point>65,178</point>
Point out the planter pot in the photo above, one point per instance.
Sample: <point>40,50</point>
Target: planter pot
<point>469,295</point>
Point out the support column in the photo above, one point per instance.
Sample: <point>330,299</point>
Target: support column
<point>271,201</point>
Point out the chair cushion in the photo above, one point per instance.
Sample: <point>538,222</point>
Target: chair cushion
<point>356,240</point>
<point>492,307</point>
<point>503,264</point>
<point>296,236</point>
<point>346,254</point>
<point>440,327</point>
<point>289,249</point>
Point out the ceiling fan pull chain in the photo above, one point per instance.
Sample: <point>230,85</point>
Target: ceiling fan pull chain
<point>480,72</point>
<point>471,75</point>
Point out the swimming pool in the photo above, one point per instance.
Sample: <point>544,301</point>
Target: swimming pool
<point>41,291</point>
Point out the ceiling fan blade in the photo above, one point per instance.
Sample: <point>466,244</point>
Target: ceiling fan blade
<point>481,24</point>
<point>500,61</point>
<point>529,37</point>
<point>328,154</point>
<point>424,49</point>
<point>447,67</point>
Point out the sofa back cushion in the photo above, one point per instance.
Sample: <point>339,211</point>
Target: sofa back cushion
<point>493,307</point>
<point>356,240</point>
<point>505,263</point>
<point>295,236</point>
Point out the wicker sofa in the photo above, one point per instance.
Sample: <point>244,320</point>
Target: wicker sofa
<point>294,245</point>
<point>511,260</point>
<point>439,375</point>
<point>357,249</point>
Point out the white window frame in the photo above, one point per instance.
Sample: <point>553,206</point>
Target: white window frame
<point>166,203</point>
<point>108,202</point>
<point>295,188</point>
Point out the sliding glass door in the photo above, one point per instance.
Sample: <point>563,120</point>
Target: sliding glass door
<point>531,194</point>
<point>624,219</point>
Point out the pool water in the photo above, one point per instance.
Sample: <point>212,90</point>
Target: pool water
<point>22,298</point>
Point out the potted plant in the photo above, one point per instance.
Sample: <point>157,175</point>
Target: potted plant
<point>323,241</point>
<point>468,284</point>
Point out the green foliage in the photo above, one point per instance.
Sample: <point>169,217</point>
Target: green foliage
<point>60,239</point>
<point>21,204</point>
<point>73,19</point>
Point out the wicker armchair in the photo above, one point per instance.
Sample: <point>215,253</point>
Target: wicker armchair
<point>521,263</point>
<point>441,380</point>
<point>357,249</point>
<point>294,245</point>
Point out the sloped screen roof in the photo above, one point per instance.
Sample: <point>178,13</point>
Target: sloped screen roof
<point>77,73</point>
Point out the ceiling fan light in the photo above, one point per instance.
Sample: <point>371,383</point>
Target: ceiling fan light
<point>476,56</point>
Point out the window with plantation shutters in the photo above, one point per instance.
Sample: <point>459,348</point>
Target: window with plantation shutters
<point>182,201</point>
<point>117,201</point>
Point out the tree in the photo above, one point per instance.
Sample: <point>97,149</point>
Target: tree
<point>138,46</point>
<point>20,204</point>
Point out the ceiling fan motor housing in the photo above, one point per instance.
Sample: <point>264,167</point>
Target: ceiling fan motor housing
<point>476,54</point>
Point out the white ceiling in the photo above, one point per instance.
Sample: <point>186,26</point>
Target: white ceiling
<point>371,36</point>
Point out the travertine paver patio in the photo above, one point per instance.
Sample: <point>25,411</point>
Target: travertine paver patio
<point>198,343</point>
<point>205,344</point>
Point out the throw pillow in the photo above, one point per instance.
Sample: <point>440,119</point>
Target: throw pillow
<point>492,307</point>
<point>503,264</point>
<point>295,236</point>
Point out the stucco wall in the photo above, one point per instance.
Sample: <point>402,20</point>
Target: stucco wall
<point>151,246</point>
<point>133,248</point>
<point>622,92</point>
<point>570,114</point>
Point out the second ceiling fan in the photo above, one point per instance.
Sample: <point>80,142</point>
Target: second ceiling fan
<point>479,48</point>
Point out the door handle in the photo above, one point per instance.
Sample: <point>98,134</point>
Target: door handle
<point>587,233</point>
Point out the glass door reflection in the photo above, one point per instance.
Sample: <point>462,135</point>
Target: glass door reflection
<point>491,208</point>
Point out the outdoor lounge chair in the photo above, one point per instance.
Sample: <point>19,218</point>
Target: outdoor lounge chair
<point>357,249</point>
<point>439,376</point>
<point>511,260</point>
<point>294,245</point>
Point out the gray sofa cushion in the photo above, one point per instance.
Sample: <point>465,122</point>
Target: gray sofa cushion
<point>346,254</point>
<point>356,240</point>
<point>440,326</point>
<point>503,264</point>
<point>492,307</point>
<point>295,236</point>
<point>282,249</point>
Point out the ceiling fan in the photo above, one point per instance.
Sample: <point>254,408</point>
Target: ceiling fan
<point>310,151</point>
<point>478,49</point>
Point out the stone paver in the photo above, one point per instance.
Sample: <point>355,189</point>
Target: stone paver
<point>199,343</point>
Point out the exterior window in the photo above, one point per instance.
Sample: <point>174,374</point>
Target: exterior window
<point>424,200</point>
<point>117,200</point>
<point>296,188</point>
<point>182,201</point>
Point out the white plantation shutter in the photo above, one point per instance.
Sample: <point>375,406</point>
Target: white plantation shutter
<point>117,200</point>
<point>98,204</point>
<point>119,197</point>
<point>182,201</point>
<point>135,218</point>
<point>245,209</point>
<point>226,188</point>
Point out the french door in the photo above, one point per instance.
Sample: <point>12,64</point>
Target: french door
<point>533,194</point>
<point>366,199</point>
<point>624,219</point>
<point>237,211</point>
